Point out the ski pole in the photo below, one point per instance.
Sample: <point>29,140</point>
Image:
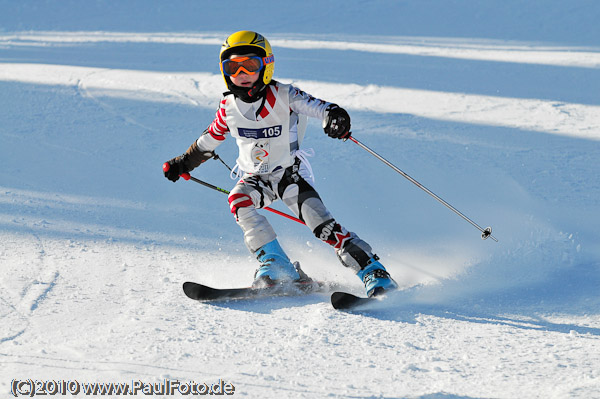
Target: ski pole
<point>187,176</point>
<point>485,233</point>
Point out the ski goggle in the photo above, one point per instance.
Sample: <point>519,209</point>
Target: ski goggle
<point>250,65</point>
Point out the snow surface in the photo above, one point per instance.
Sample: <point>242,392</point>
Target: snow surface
<point>492,105</point>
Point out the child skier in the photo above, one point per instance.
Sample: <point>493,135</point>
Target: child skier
<point>267,119</point>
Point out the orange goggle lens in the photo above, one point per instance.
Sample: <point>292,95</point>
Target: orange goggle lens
<point>250,65</point>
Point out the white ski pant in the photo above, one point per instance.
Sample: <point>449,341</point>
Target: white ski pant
<point>294,186</point>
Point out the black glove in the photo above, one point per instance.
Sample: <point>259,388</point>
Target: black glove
<point>175,168</point>
<point>337,122</point>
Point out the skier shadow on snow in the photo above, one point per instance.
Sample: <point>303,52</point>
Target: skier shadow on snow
<point>569,292</point>
<point>528,320</point>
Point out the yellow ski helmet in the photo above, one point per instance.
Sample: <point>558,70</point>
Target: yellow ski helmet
<point>248,42</point>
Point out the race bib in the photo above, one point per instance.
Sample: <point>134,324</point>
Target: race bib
<point>262,133</point>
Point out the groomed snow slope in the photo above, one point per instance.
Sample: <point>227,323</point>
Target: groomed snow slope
<point>492,106</point>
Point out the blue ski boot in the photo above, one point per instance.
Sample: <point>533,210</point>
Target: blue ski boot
<point>275,266</point>
<point>377,280</point>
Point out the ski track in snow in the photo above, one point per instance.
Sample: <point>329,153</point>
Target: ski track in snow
<point>95,245</point>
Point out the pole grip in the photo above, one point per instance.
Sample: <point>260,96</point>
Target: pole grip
<point>184,176</point>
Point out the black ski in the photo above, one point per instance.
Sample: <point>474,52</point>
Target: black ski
<point>345,300</point>
<point>203,292</point>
